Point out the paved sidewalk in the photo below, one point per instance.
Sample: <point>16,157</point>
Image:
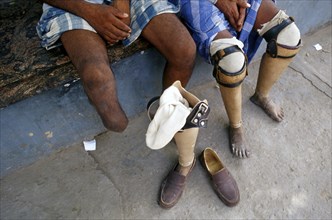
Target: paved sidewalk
<point>287,177</point>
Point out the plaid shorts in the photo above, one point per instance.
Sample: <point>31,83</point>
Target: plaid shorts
<point>55,21</point>
<point>205,20</point>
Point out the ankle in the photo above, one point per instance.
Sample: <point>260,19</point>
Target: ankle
<point>183,170</point>
<point>260,95</point>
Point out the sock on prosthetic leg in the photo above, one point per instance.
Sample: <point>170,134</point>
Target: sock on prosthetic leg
<point>230,69</point>
<point>179,115</point>
<point>283,43</point>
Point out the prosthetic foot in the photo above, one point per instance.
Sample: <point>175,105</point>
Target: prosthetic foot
<point>283,43</point>
<point>230,69</point>
<point>180,115</point>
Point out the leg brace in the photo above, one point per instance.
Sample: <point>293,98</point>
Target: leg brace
<point>283,43</point>
<point>230,69</point>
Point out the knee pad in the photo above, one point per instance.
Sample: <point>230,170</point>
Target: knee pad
<point>282,36</point>
<point>230,62</point>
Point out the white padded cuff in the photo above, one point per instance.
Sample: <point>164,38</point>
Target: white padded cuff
<point>233,62</point>
<point>289,36</point>
<point>223,43</point>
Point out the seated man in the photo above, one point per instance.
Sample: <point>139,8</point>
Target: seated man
<point>83,26</point>
<point>227,34</point>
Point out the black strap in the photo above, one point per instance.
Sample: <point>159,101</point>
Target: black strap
<point>152,101</point>
<point>273,32</point>
<point>198,117</point>
<point>271,37</point>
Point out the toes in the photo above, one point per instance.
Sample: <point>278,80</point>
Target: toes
<point>247,153</point>
<point>233,149</point>
<point>241,153</point>
<point>237,152</point>
<point>281,114</point>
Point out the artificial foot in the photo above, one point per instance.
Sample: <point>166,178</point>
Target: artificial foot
<point>183,170</point>
<point>173,185</point>
<point>237,142</point>
<point>271,109</point>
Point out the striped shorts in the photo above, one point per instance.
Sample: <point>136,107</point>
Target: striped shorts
<point>55,21</point>
<point>205,20</point>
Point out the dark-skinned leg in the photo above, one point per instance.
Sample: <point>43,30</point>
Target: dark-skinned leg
<point>174,42</point>
<point>266,79</point>
<point>232,98</point>
<point>88,53</point>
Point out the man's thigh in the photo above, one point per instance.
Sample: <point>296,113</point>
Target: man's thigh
<point>166,32</point>
<point>266,12</point>
<point>84,46</point>
<point>205,21</point>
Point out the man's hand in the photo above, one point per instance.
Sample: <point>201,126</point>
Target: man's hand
<point>108,21</point>
<point>234,11</point>
<point>105,19</point>
<point>123,6</point>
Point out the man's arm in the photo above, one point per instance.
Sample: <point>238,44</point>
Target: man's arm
<point>234,11</point>
<point>123,6</point>
<point>106,20</point>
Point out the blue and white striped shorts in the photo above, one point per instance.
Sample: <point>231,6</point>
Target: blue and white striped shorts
<point>205,20</point>
<point>55,21</point>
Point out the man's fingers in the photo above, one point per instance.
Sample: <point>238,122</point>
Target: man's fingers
<point>110,40</point>
<point>232,22</point>
<point>114,34</point>
<point>243,4</point>
<point>242,15</point>
<point>119,13</point>
<point>118,23</point>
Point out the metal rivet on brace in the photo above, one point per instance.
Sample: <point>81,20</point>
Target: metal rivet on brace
<point>202,123</point>
<point>195,120</point>
<point>199,115</point>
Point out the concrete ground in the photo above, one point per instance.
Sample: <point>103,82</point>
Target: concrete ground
<point>288,175</point>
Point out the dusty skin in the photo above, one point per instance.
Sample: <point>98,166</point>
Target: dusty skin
<point>273,110</point>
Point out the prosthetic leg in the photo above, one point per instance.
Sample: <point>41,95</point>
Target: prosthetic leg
<point>283,43</point>
<point>230,69</point>
<point>184,128</point>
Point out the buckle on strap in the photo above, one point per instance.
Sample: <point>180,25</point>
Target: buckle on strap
<point>198,117</point>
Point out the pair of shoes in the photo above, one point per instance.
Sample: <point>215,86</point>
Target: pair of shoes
<point>222,180</point>
<point>172,187</point>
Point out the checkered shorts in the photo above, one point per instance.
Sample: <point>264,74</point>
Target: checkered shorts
<point>55,21</point>
<point>205,20</point>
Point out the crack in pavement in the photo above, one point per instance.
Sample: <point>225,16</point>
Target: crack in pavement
<point>311,82</point>
<point>109,177</point>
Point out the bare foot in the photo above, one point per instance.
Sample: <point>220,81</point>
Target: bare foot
<point>237,143</point>
<point>271,109</point>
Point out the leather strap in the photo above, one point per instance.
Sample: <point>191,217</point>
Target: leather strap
<point>198,117</point>
<point>271,37</point>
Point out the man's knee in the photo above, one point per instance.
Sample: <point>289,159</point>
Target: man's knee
<point>94,73</point>
<point>282,36</point>
<point>230,63</point>
<point>184,54</point>
<point>100,87</point>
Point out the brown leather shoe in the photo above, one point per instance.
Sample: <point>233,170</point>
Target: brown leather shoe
<point>223,182</point>
<point>172,187</point>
